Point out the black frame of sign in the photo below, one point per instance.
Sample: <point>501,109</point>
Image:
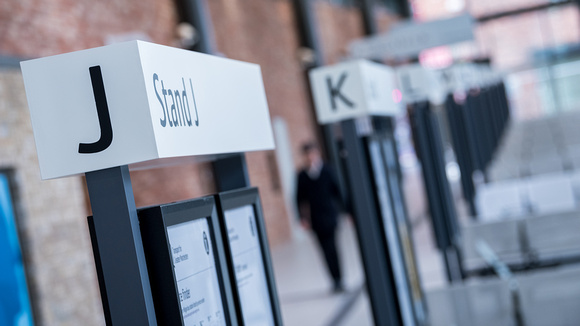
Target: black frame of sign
<point>240,198</point>
<point>402,216</point>
<point>367,148</point>
<point>154,222</point>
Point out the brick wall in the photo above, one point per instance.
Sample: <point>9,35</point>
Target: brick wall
<point>263,32</point>
<point>40,28</point>
<point>51,220</point>
<point>173,183</point>
<point>53,225</point>
<point>338,26</point>
<point>511,41</point>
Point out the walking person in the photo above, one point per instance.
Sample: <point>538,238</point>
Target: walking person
<point>318,198</point>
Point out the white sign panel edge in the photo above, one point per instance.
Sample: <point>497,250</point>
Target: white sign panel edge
<point>380,83</point>
<point>64,113</point>
<point>410,38</point>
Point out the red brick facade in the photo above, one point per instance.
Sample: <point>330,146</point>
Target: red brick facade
<point>40,28</point>
<point>510,41</point>
<point>55,238</point>
<point>58,252</point>
<point>259,31</point>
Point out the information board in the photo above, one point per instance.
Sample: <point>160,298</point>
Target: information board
<point>249,257</point>
<point>187,264</point>
<point>390,230</point>
<point>249,266</point>
<point>195,273</point>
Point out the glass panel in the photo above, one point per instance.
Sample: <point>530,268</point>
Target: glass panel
<point>249,265</point>
<point>196,273</point>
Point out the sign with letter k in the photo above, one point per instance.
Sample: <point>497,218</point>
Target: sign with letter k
<point>353,89</point>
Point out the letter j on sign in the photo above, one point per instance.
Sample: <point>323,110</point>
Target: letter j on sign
<point>103,114</point>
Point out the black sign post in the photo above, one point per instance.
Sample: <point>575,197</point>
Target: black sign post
<point>441,206</point>
<point>118,249</point>
<point>378,273</point>
<point>476,124</point>
<point>372,170</point>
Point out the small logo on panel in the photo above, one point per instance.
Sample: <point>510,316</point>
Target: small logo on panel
<point>205,243</point>
<point>252,226</point>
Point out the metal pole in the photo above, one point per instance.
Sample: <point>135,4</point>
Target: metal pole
<point>231,172</point>
<point>195,12</point>
<point>307,30</point>
<point>382,293</point>
<point>441,205</point>
<point>368,16</point>
<point>119,255</point>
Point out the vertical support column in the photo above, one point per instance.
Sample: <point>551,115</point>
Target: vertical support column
<point>306,24</point>
<point>378,273</point>
<point>118,248</point>
<point>441,204</point>
<point>386,125</point>
<point>195,12</point>
<point>231,172</point>
<point>368,16</point>
<point>307,31</point>
<point>460,143</point>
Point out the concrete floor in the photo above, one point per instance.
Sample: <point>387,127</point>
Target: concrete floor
<point>305,290</point>
<point>304,287</point>
<point>549,297</point>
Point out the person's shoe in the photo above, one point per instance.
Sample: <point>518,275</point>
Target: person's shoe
<point>338,288</point>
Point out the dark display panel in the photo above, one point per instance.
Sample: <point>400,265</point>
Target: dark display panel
<point>249,257</point>
<point>390,229</point>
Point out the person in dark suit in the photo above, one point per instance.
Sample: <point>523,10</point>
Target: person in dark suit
<point>318,198</point>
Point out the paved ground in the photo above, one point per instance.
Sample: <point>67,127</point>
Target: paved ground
<point>304,288</point>
<point>303,284</point>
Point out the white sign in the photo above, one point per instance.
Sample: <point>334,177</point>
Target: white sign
<point>249,266</point>
<point>420,84</point>
<point>195,273</point>
<point>137,101</point>
<point>463,77</point>
<point>353,89</point>
<point>409,39</point>
<point>423,84</point>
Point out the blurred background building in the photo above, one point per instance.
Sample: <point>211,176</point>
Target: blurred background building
<point>535,44</point>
